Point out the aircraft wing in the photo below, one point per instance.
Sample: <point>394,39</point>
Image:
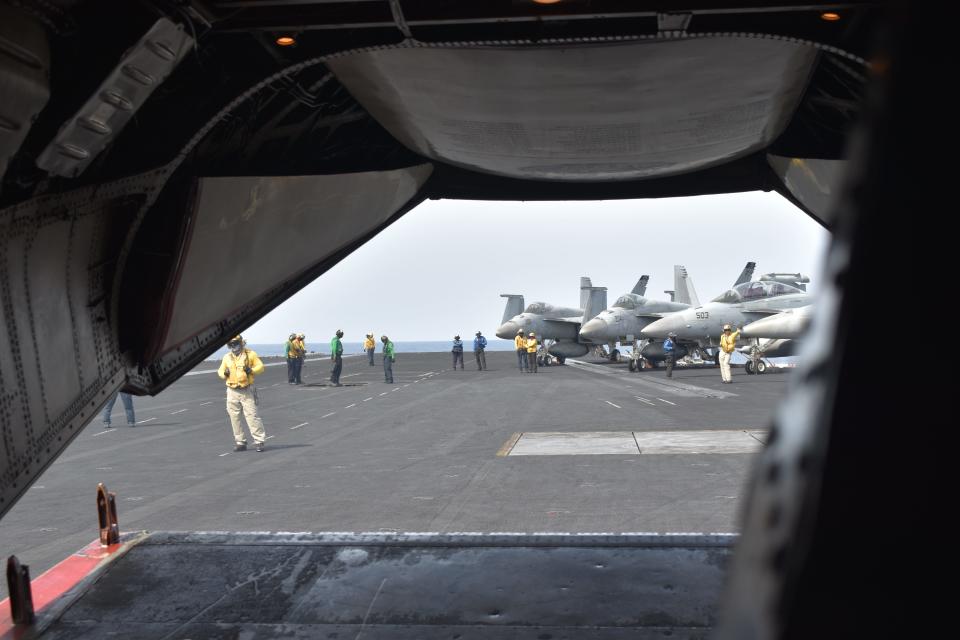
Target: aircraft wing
<point>564,320</point>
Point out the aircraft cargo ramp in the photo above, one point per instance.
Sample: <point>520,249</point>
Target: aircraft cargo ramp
<point>298,585</point>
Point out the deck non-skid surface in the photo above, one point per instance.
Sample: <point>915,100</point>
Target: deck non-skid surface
<point>418,455</point>
<point>411,587</point>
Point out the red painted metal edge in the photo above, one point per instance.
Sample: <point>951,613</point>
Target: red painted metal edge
<point>55,582</point>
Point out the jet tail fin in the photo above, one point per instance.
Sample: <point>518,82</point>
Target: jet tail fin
<point>683,286</point>
<point>585,284</point>
<point>747,274</point>
<point>596,303</point>
<point>641,287</point>
<point>672,294</point>
<point>513,307</point>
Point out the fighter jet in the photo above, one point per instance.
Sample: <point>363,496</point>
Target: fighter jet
<point>741,305</point>
<point>632,312</point>
<point>552,322</point>
<point>789,324</point>
<point>775,336</point>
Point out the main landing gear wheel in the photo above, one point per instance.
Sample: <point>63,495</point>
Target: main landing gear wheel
<point>632,365</point>
<point>641,364</point>
<point>749,368</point>
<point>716,359</point>
<point>561,359</point>
<point>761,366</point>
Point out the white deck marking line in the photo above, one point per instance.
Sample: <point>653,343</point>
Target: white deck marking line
<point>667,401</point>
<point>203,403</point>
<point>147,420</point>
<point>613,405</point>
<point>268,437</point>
<point>110,430</point>
<point>350,406</point>
<point>644,400</point>
<point>350,375</point>
<point>173,413</point>
<point>406,385</point>
<point>368,399</point>
<point>366,616</point>
<point>332,413</point>
<point>299,425</point>
<point>224,454</point>
<point>384,393</point>
<point>397,389</point>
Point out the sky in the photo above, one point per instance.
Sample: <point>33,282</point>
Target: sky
<point>440,269</point>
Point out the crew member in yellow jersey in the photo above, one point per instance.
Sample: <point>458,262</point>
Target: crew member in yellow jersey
<point>369,346</point>
<point>532,346</point>
<point>238,368</point>
<point>728,342</point>
<point>521,346</point>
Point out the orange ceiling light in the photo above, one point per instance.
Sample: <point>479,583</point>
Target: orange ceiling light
<point>546,1</point>
<point>830,16</point>
<point>286,41</point>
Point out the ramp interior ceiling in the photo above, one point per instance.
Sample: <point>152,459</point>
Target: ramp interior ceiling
<point>584,112</point>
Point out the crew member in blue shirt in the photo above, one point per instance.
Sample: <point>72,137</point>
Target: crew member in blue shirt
<point>479,348</point>
<point>457,352</point>
<point>668,346</point>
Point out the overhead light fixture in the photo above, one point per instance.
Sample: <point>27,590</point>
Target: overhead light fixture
<point>285,41</point>
<point>830,16</point>
<point>546,1</point>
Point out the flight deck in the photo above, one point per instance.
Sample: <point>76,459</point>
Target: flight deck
<point>574,448</point>
<point>451,504</point>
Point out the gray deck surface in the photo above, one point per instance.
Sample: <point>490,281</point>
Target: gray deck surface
<point>419,455</point>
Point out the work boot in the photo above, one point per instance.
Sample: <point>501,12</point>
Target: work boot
<point>261,446</point>
<point>240,446</point>
<point>107,425</point>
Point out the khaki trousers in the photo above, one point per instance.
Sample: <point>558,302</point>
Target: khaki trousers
<point>241,401</point>
<point>725,366</point>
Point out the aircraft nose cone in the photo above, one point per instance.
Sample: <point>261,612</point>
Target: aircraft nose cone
<point>661,328</point>
<point>508,330</point>
<point>593,330</point>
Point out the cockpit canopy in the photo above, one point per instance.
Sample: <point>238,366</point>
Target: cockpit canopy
<point>754,291</point>
<point>538,308</point>
<point>626,302</point>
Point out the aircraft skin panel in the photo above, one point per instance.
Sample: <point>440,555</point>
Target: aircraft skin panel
<point>268,229</point>
<point>58,357</point>
<point>529,122</point>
